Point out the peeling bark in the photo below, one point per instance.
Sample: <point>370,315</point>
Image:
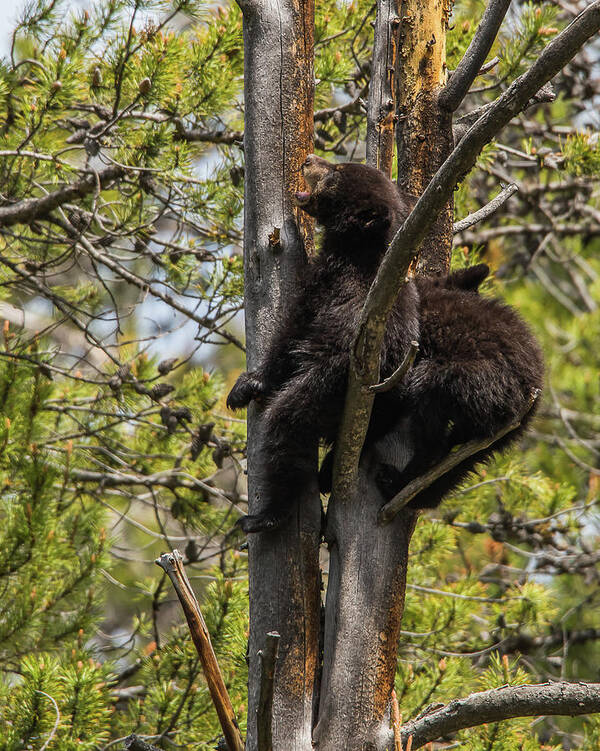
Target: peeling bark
<point>381,114</point>
<point>424,131</point>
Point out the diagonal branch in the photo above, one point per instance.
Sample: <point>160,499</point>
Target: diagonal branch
<point>172,565</point>
<point>392,271</point>
<point>450,462</point>
<point>561,698</point>
<point>468,68</point>
<point>29,209</point>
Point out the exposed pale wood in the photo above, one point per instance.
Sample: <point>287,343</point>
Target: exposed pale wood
<point>424,130</point>
<point>172,565</point>
<point>396,723</point>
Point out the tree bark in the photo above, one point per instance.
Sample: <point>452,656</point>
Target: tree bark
<point>381,114</point>
<point>497,704</point>
<point>284,575</point>
<point>367,575</point>
<point>365,602</point>
<point>424,132</point>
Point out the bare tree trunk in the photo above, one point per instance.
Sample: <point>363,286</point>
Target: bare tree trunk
<point>366,586</point>
<point>283,566</point>
<point>365,602</point>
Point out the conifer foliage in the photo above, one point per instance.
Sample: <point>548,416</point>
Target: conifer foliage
<point>121,193</point>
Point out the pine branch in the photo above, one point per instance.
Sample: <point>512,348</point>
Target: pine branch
<point>207,135</point>
<point>561,698</point>
<point>30,209</point>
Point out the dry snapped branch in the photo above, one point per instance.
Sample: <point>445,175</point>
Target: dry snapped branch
<point>172,565</point>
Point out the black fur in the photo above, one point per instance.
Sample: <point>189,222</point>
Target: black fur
<point>476,368</point>
<point>479,369</point>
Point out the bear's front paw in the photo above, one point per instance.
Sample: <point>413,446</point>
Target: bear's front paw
<point>258,523</point>
<point>247,387</point>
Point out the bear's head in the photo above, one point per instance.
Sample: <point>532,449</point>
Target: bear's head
<point>354,203</point>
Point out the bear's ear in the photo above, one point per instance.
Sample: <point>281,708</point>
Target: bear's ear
<point>468,279</point>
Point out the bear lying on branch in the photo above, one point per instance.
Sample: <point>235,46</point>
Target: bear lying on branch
<point>478,366</point>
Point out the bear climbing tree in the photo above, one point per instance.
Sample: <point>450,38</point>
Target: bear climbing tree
<point>332,685</point>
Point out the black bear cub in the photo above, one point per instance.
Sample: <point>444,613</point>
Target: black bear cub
<point>478,368</point>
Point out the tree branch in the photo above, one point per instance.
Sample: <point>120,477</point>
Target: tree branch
<point>485,211</point>
<point>463,452</point>
<point>206,135</point>
<point>29,209</point>
<point>392,271</point>
<point>353,106</point>
<point>562,230</point>
<point>414,487</point>
<point>172,565</point>
<point>135,743</point>
<point>463,123</point>
<point>468,68</point>
<point>561,698</point>
<point>400,371</point>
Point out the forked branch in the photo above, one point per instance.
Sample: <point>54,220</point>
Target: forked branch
<point>404,246</point>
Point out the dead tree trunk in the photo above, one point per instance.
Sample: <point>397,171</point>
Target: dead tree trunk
<point>382,115</point>
<point>284,574</point>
